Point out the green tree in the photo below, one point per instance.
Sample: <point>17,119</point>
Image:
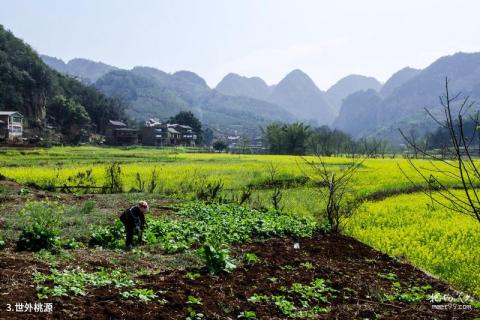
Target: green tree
<point>273,137</point>
<point>188,118</point>
<point>207,136</point>
<point>70,117</point>
<point>296,135</point>
<point>29,86</point>
<point>220,145</point>
<point>287,138</point>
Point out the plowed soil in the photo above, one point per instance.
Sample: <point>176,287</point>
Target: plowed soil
<point>351,267</point>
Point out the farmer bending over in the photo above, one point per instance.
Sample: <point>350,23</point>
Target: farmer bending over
<point>134,221</point>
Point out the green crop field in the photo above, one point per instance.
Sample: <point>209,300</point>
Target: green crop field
<point>429,236</point>
<point>180,172</point>
<point>388,215</point>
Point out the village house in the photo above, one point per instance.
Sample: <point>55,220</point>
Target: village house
<point>156,133</point>
<point>117,133</point>
<point>11,125</point>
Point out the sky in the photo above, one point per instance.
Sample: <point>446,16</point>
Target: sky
<point>267,38</point>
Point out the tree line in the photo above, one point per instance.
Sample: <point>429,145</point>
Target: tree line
<point>300,139</point>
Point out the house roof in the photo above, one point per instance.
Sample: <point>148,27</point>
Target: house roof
<point>9,113</point>
<point>126,129</point>
<point>152,123</point>
<point>176,125</point>
<point>117,123</point>
<point>171,130</point>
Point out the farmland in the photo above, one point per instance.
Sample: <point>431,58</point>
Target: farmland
<point>174,273</point>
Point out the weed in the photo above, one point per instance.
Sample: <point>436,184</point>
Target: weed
<point>41,225</point>
<point>388,276</point>
<point>113,178</point>
<point>192,276</point>
<point>192,314</point>
<point>194,300</point>
<point>273,279</point>
<point>258,298</point>
<point>144,295</point>
<point>51,258</point>
<point>247,315</point>
<point>287,267</point>
<point>88,207</point>
<point>285,306</point>
<point>413,294</point>
<point>307,265</point>
<point>209,191</point>
<point>82,181</point>
<point>24,192</point>
<point>250,258</point>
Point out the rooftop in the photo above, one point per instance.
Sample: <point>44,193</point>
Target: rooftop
<point>9,113</point>
<point>117,123</point>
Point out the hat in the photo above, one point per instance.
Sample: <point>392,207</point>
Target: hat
<point>143,204</point>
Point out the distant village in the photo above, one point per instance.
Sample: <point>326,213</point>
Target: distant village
<point>154,133</point>
<point>117,133</point>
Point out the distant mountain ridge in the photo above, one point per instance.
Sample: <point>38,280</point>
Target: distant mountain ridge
<point>356,104</point>
<point>397,80</point>
<point>298,94</point>
<point>236,85</point>
<point>85,70</point>
<point>348,85</point>
<point>308,103</point>
<point>406,94</point>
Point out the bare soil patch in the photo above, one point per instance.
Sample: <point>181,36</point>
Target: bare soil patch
<point>351,267</point>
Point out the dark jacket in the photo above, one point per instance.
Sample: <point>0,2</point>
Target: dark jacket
<point>133,218</point>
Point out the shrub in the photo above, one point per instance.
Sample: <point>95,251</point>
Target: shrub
<point>209,191</point>
<point>82,181</point>
<point>2,244</point>
<point>41,225</point>
<point>113,178</point>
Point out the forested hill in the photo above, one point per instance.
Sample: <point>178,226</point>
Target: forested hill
<point>150,92</point>
<point>46,97</point>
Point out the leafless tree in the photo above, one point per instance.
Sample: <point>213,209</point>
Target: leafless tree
<point>273,181</point>
<point>455,162</point>
<point>334,186</point>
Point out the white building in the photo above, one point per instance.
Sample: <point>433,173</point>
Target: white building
<point>11,125</point>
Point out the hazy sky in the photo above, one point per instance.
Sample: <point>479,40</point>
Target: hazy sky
<point>326,39</point>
